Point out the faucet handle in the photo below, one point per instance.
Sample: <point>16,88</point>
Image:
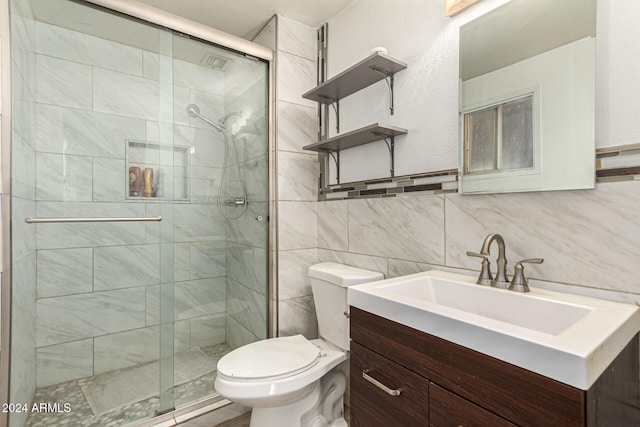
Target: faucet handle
<point>485,276</point>
<point>519,282</point>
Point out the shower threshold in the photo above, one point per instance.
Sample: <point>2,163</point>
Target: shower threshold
<point>81,414</point>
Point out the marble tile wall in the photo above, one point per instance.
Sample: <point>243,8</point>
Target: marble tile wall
<point>586,237</point>
<point>96,305</point>
<point>298,170</point>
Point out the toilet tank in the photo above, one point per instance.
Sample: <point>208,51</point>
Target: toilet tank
<point>329,283</point>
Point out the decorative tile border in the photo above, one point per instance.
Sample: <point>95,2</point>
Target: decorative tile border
<point>618,163</point>
<point>436,182</point>
<point>612,164</point>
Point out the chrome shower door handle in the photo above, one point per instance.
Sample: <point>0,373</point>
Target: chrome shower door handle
<point>375,382</point>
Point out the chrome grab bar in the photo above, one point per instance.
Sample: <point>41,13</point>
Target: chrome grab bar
<point>375,382</point>
<point>32,220</point>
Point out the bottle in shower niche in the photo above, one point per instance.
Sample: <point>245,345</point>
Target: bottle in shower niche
<point>148,182</point>
<point>156,183</point>
<point>135,181</point>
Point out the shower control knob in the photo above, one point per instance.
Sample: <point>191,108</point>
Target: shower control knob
<point>259,218</point>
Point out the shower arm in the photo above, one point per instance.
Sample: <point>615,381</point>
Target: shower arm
<point>219,127</point>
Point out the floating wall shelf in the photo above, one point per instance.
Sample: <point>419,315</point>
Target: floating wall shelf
<point>365,135</point>
<point>370,70</point>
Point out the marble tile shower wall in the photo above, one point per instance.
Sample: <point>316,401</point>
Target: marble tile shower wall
<point>23,261</point>
<point>97,298</point>
<point>297,185</point>
<point>587,238</point>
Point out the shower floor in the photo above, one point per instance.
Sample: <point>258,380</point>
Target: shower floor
<point>81,414</point>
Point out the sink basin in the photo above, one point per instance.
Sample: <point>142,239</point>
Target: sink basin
<point>567,337</point>
<point>540,314</point>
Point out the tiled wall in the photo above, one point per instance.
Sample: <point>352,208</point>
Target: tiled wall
<point>97,298</point>
<point>297,185</point>
<point>586,237</point>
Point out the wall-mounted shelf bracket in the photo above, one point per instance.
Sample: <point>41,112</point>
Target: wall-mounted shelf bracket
<point>335,103</point>
<point>390,141</point>
<point>336,109</point>
<point>336,159</point>
<point>388,77</point>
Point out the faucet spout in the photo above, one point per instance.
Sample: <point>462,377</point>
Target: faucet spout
<point>501,279</point>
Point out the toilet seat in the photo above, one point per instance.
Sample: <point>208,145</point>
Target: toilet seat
<point>269,359</point>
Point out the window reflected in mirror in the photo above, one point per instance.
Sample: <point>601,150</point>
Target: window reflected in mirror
<point>499,137</point>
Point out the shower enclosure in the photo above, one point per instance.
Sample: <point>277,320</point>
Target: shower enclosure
<point>139,209</point>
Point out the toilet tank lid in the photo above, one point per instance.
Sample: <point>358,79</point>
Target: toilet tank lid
<point>343,275</point>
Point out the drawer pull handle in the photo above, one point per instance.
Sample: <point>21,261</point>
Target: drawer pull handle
<point>375,382</point>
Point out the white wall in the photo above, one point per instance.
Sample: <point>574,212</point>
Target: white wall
<point>416,31</point>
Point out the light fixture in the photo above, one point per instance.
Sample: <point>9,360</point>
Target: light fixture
<point>453,7</point>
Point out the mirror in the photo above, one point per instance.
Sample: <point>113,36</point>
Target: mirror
<point>527,95</point>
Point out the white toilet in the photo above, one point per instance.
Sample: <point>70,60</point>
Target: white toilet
<point>292,381</point>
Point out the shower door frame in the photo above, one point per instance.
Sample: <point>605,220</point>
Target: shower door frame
<point>5,164</point>
<point>175,24</point>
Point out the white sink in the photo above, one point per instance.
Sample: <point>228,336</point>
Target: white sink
<point>566,337</point>
<point>540,314</point>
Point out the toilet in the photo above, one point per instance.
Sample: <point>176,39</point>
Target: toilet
<point>292,381</point>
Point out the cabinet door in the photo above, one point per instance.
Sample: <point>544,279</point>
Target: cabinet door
<point>371,406</point>
<point>448,409</point>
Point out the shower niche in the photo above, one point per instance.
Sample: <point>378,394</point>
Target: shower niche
<point>156,171</point>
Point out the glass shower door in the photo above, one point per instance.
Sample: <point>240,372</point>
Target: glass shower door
<point>92,166</point>
<point>116,125</point>
<point>220,290</point>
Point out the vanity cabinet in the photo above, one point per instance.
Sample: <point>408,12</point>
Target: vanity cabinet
<point>445,384</point>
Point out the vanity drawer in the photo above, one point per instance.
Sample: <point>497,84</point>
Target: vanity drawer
<point>371,406</point>
<point>450,410</point>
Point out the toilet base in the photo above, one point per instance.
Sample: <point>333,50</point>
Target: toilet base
<point>323,402</point>
<point>288,415</point>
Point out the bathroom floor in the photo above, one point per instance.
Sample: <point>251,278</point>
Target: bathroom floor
<point>81,414</point>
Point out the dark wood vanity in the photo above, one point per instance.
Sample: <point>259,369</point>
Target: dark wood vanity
<point>445,384</point>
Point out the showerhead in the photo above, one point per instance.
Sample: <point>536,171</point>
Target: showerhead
<point>223,120</point>
<point>194,111</point>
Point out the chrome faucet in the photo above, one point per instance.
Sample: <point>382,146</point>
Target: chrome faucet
<point>486,278</point>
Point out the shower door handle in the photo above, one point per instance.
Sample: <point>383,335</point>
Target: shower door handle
<point>32,220</point>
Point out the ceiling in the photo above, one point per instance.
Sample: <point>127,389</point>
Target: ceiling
<point>244,18</point>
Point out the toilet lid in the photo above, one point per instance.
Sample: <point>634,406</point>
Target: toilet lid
<point>274,357</point>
